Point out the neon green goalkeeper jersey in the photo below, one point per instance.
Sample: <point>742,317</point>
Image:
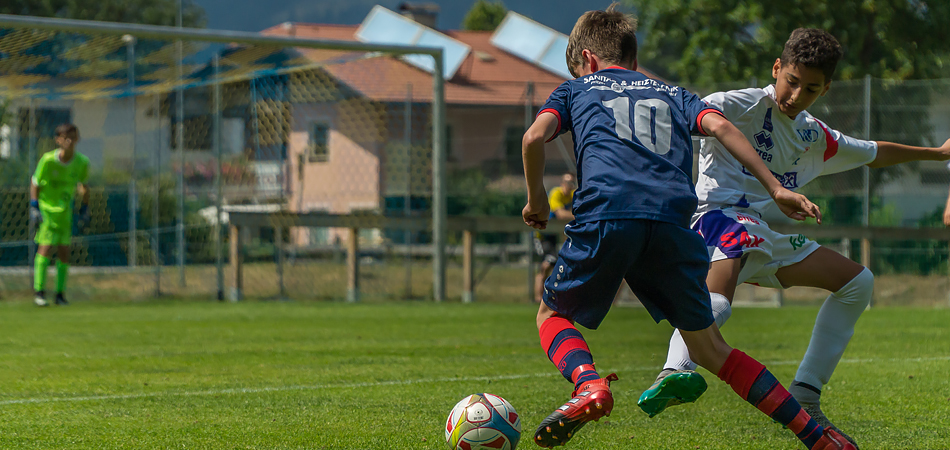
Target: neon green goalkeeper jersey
<point>57,181</point>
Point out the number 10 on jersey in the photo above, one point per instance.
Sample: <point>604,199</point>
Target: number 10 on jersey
<point>652,122</point>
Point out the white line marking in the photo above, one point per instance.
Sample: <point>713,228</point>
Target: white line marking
<point>36,400</point>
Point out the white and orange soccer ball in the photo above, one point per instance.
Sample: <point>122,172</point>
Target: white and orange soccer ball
<point>483,422</point>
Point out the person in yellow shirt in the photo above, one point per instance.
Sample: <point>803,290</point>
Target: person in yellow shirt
<point>561,200</point>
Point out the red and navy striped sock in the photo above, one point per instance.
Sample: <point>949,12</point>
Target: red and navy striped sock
<point>568,350</point>
<point>754,383</point>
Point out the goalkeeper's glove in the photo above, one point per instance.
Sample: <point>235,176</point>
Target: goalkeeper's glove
<point>35,215</point>
<point>84,217</point>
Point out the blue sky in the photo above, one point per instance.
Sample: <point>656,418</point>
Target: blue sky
<point>255,15</point>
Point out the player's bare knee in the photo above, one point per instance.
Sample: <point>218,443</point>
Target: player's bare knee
<point>711,357</point>
<point>544,313</point>
<point>707,347</point>
<point>858,291</point>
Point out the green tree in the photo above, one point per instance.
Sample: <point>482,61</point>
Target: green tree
<point>701,42</point>
<point>484,16</point>
<point>151,12</point>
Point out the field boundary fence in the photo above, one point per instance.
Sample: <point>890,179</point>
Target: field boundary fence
<point>191,131</point>
<point>182,125</point>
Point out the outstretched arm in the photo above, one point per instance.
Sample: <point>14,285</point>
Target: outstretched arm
<point>889,153</point>
<point>535,213</point>
<point>795,206</point>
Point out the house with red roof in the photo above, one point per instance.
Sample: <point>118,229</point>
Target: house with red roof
<point>360,131</point>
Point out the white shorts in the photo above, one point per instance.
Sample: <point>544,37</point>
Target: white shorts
<point>738,233</point>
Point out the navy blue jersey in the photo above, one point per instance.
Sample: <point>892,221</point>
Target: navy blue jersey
<point>632,145</point>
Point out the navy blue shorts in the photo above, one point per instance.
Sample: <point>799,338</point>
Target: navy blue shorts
<point>664,264</point>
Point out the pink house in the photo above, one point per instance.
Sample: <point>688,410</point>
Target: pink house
<point>348,149</point>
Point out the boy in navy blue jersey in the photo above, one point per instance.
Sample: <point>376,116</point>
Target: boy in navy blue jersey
<point>632,208</point>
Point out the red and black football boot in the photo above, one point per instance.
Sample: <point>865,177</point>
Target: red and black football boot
<point>592,400</point>
<point>833,440</point>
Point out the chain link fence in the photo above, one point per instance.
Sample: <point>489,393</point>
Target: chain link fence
<point>182,130</point>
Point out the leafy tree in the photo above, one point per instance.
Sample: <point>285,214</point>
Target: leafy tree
<point>484,16</point>
<point>151,12</point>
<point>701,42</point>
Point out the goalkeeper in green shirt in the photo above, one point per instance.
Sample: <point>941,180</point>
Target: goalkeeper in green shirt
<point>52,194</point>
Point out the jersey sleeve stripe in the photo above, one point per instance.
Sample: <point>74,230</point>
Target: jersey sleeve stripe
<point>556,114</point>
<point>831,145</point>
<point>699,118</point>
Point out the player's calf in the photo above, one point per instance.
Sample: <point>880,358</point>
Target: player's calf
<point>754,383</point>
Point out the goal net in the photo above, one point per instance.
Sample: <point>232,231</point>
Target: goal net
<point>183,126</point>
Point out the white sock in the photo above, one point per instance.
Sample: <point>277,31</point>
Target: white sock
<point>833,330</point>
<point>678,355</point>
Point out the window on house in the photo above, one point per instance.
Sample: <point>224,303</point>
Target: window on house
<point>318,146</point>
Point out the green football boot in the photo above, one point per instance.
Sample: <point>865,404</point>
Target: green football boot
<point>671,388</point>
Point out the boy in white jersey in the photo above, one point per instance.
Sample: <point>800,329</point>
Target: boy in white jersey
<point>797,148</point>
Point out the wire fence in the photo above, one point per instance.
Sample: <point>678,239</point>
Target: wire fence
<point>181,129</point>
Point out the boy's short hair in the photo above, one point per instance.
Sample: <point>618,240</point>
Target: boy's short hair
<point>815,48</point>
<point>609,34</point>
<point>65,129</point>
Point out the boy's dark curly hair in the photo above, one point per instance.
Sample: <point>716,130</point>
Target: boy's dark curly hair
<point>815,48</point>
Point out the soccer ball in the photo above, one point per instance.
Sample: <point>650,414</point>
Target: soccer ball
<point>482,422</point>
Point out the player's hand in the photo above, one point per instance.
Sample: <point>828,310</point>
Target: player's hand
<point>35,215</point>
<point>946,217</point>
<point>536,212</point>
<point>945,150</point>
<point>84,217</point>
<point>796,206</point>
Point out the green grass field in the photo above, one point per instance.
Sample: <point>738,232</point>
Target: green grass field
<point>327,375</point>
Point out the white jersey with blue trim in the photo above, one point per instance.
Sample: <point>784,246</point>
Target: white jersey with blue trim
<point>795,150</point>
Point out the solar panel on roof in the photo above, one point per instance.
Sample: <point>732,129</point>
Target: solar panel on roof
<point>382,26</point>
<point>532,42</point>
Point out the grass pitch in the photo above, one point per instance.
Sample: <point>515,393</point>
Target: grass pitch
<point>327,375</point>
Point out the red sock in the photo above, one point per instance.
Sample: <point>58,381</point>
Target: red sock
<point>567,349</point>
<point>756,385</point>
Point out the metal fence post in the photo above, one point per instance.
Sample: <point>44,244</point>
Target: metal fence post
<point>866,175</point>
<point>439,160</point>
<point>407,199</point>
<point>180,126</point>
<point>468,266</point>
<point>219,191</point>
<point>352,265</point>
<point>133,199</point>
<point>237,271</point>
<point>31,154</point>
<point>279,253</point>
<point>156,230</point>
